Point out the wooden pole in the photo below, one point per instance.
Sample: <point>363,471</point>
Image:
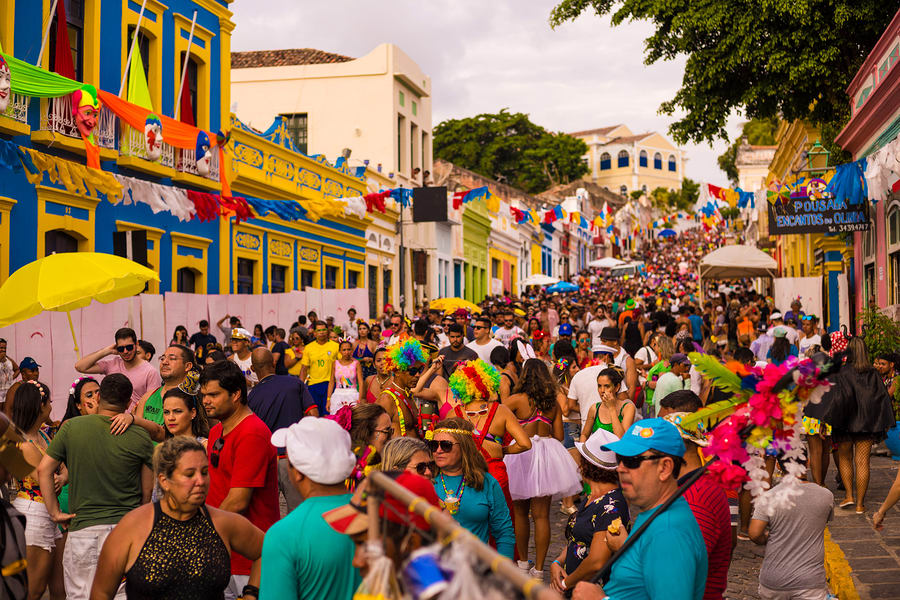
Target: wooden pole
<point>46,33</point>
<point>451,531</point>
<point>137,30</point>
<point>187,56</point>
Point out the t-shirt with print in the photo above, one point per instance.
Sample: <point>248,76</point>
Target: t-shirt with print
<point>319,360</point>
<point>592,518</point>
<point>143,376</point>
<point>244,365</point>
<point>247,459</point>
<point>104,469</point>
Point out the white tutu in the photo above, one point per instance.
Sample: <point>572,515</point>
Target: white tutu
<point>545,470</point>
<point>344,397</point>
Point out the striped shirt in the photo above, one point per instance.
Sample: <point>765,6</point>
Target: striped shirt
<point>710,507</point>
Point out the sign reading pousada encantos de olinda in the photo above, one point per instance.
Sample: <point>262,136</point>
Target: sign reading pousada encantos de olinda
<point>810,209</point>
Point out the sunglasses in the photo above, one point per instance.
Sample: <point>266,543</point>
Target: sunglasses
<point>444,445</point>
<point>479,327</point>
<point>425,466</point>
<point>634,462</point>
<point>125,348</point>
<point>415,370</point>
<point>214,455</point>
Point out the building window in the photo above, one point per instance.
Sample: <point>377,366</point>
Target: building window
<point>642,160</point>
<point>373,290</point>
<point>623,190</point>
<point>402,98</point>
<point>415,108</point>
<point>673,166</point>
<point>894,262</point>
<point>58,241</point>
<point>185,280</point>
<point>386,286</point>
<point>644,188</point>
<point>307,279</point>
<point>190,83</point>
<point>352,279</point>
<point>75,22</point>
<point>869,241</point>
<point>623,159</point>
<point>657,161</point>
<point>495,268</point>
<point>894,226</point>
<point>297,126</point>
<point>245,276</point>
<point>276,279</point>
<point>605,161</point>
<point>401,143</point>
<point>330,277</point>
<point>143,46</point>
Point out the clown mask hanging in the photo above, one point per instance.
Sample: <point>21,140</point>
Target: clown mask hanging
<point>86,109</point>
<point>5,83</point>
<point>153,138</point>
<point>202,153</point>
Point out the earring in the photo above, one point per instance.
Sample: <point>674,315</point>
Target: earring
<point>170,501</point>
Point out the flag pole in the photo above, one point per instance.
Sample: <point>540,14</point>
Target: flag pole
<point>46,32</point>
<point>137,30</point>
<point>187,56</point>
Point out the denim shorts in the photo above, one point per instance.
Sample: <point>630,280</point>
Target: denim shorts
<point>571,432</point>
<point>40,530</point>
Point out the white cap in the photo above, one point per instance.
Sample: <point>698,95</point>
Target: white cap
<point>591,449</point>
<point>604,348</point>
<point>318,448</point>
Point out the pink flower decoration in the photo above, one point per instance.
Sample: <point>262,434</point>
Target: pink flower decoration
<point>343,417</point>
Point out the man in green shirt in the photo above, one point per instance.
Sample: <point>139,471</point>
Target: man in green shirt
<point>303,557</point>
<point>109,475</point>
<point>174,365</point>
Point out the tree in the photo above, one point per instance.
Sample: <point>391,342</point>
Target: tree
<point>510,148</point>
<point>759,132</point>
<point>763,58</point>
<point>671,200</point>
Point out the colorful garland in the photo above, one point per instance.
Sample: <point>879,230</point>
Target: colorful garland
<point>474,380</point>
<point>403,355</point>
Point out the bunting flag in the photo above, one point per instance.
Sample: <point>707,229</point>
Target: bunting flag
<point>466,196</point>
<point>402,195</point>
<point>160,198</point>
<point>207,205</point>
<point>376,201</point>
<point>550,217</point>
<point>76,178</point>
<point>559,212</point>
<point>492,202</point>
<point>138,91</point>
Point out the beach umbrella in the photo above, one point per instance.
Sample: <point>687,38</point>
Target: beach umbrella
<point>562,287</point>
<point>667,233</point>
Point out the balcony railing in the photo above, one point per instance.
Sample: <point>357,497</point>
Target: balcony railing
<point>17,108</point>
<point>186,162</point>
<point>131,143</point>
<point>58,117</point>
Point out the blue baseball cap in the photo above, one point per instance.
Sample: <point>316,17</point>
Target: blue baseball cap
<point>649,434</point>
<point>29,363</point>
<point>565,329</point>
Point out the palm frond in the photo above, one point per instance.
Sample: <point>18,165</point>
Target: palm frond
<point>720,376</point>
<point>712,415</point>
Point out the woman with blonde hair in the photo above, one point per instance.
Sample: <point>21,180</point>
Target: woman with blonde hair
<point>466,490</point>
<point>408,454</point>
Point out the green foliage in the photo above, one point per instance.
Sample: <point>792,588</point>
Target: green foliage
<point>730,212</point>
<point>671,200</point>
<point>764,58</point>
<point>509,148</point>
<point>759,132</point>
<point>712,414</point>
<point>717,373</point>
<point>881,333</point>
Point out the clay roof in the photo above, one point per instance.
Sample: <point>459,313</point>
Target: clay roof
<point>283,58</point>
<point>600,131</point>
<point>627,139</point>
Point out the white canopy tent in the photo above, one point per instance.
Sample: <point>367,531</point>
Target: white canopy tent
<point>539,279</point>
<point>734,262</point>
<point>607,262</point>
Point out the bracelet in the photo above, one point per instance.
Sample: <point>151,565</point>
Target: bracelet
<point>252,590</point>
<point>557,562</point>
<point>133,418</point>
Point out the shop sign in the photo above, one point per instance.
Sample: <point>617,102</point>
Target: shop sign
<point>810,209</point>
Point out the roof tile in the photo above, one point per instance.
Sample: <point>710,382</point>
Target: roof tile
<point>283,58</point>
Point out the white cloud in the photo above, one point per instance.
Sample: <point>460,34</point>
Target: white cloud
<point>483,56</point>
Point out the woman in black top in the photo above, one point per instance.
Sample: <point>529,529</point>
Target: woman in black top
<point>178,547</point>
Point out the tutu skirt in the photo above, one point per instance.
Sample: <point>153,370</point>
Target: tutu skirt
<point>344,397</point>
<point>545,470</point>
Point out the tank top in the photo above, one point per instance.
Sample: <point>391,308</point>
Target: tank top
<point>345,375</point>
<point>180,559</point>
<point>153,407</point>
<point>598,424</point>
<point>29,488</point>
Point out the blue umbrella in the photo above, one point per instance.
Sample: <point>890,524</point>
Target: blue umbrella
<point>666,233</point>
<point>563,287</point>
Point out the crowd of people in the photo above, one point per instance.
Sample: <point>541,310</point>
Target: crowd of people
<point>240,469</point>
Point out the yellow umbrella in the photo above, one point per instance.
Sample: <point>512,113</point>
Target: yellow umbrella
<point>64,282</point>
<point>449,305</point>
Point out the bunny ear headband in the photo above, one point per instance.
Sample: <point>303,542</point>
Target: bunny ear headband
<point>525,350</point>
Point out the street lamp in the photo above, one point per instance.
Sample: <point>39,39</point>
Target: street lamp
<point>817,159</point>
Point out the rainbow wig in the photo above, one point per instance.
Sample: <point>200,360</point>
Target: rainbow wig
<point>474,380</point>
<point>404,354</point>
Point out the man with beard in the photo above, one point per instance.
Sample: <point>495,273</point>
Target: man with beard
<point>121,357</point>
<point>457,352</point>
<point>174,365</point>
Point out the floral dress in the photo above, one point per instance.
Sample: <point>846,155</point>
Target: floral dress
<point>591,518</point>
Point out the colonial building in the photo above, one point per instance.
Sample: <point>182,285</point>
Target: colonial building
<point>623,162</point>
<point>752,163</point>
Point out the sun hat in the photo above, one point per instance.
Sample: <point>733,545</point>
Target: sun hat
<point>592,450</point>
<point>697,437</point>
<point>318,448</point>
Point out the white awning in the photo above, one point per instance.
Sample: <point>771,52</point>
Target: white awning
<point>733,262</point>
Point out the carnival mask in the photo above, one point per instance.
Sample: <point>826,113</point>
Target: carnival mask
<point>86,109</point>
<point>5,82</point>
<point>153,137</point>
<point>202,153</point>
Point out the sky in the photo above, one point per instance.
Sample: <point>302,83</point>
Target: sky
<point>483,56</point>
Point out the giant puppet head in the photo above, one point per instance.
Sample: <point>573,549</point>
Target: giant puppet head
<point>202,153</point>
<point>153,137</point>
<point>86,108</point>
<point>5,82</point>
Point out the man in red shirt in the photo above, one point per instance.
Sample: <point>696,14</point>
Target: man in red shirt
<point>706,498</point>
<point>243,467</point>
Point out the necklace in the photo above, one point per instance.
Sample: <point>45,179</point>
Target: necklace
<point>451,501</point>
<point>393,392</point>
<point>381,381</point>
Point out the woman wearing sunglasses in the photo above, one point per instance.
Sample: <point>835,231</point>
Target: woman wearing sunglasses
<point>409,454</point>
<point>466,490</point>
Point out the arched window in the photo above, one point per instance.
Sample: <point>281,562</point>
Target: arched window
<point>657,161</point>
<point>642,160</point>
<point>605,161</point>
<point>673,166</point>
<point>186,280</point>
<point>623,190</point>
<point>894,226</point>
<point>623,159</point>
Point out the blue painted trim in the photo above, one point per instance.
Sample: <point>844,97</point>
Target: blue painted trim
<point>834,307</point>
<point>150,244</point>
<point>265,264</point>
<point>63,210</point>
<point>309,236</point>
<point>136,7</point>
<point>187,251</point>
<point>187,35</point>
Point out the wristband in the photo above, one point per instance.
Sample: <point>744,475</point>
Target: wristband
<point>251,590</point>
